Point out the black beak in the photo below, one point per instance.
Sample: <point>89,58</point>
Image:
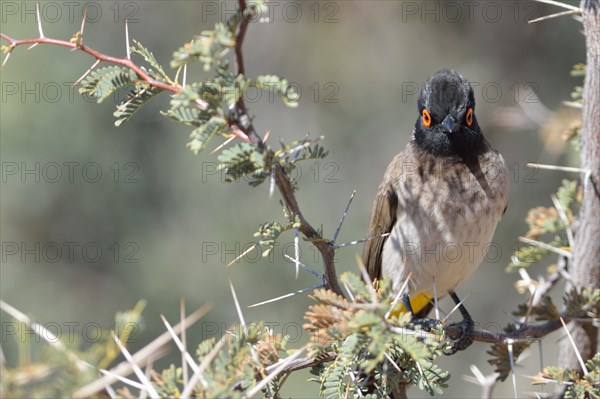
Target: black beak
<point>448,124</point>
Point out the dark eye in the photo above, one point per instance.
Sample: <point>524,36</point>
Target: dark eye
<point>469,116</point>
<point>426,118</point>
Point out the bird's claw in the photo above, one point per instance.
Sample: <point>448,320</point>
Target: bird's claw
<point>463,340</point>
<point>428,325</point>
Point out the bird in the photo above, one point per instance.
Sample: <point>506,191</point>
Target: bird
<point>439,202</point>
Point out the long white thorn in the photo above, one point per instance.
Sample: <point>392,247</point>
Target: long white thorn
<point>511,357</point>
<point>303,290</point>
<point>543,245</point>
<point>237,306</point>
<point>435,300</point>
<point>6,58</point>
<point>86,73</point>
<point>43,333</point>
<point>83,23</point>
<point>183,338</point>
<point>272,182</point>
<point>258,387</point>
<point>39,25</point>
<point>153,350</point>
<point>125,380</point>
<point>112,394</point>
<point>366,279</point>
<point>297,251</point>
<point>355,242</point>
<point>302,265</point>
<point>187,358</point>
<point>559,4</point>
<point>187,391</point>
<point>136,369</point>
<point>39,19</point>
<point>127,40</point>
<point>242,255</point>
<point>337,231</point>
<point>556,167</point>
<point>577,353</point>
<point>456,306</point>
<point>229,140</point>
<point>573,104</point>
<point>398,295</point>
<point>556,15</point>
<point>389,358</point>
<point>563,215</point>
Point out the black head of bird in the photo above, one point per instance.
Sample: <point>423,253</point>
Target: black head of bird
<point>447,124</point>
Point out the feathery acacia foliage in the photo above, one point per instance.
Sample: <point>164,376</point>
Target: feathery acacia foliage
<point>356,348</point>
<point>550,233</point>
<point>374,353</point>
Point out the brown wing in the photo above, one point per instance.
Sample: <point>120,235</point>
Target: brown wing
<point>383,218</point>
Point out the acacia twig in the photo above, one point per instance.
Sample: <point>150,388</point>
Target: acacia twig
<point>239,121</point>
<point>128,63</point>
<point>242,119</point>
<point>525,333</point>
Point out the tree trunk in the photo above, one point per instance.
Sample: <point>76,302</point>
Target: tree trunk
<point>585,266</point>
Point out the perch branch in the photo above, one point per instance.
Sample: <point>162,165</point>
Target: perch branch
<point>523,334</point>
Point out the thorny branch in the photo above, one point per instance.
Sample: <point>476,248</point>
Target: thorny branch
<point>238,120</point>
<point>242,120</point>
<point>524,334</point>
<point>78,45</point>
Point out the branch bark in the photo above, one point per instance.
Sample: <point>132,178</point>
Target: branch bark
<point>241,118</point>
<point>524,333</point>
<point>126,62</point>
<point>585,265</point>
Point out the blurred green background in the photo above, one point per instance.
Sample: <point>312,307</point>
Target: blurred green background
<point>176,224</point>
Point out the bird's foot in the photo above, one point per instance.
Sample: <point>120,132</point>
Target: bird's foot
<point>462,340</point>
<point>427,324</point>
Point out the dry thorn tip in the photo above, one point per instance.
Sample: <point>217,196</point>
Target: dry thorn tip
<point>237,306</point>
<point>305,267</point>
<point>577,353</point>
<point>559,4</point>
<point>398,295</point>
<point>127,40</point>
<point>511,358</point>
<point>556,167</point>
<point>272,182</point>
<point>241,255</point>
<point>297,251</point>
<point>6,58</point>
<point>136,369</point>
<point>543,245</point>
<point>455,308</point>
<point>288,295</point>
<point>337,231</point>
<point>83,23</point>
<point>86,73</point>
<point>556,15</point>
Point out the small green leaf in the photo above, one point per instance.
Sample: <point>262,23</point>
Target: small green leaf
<point>161,75</point>
<point>100,83</point>
<point>200,136</point>
<point>133,102</point>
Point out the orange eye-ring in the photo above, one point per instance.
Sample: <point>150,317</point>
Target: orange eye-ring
<point>469,117</point>
<point>426,118</point>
